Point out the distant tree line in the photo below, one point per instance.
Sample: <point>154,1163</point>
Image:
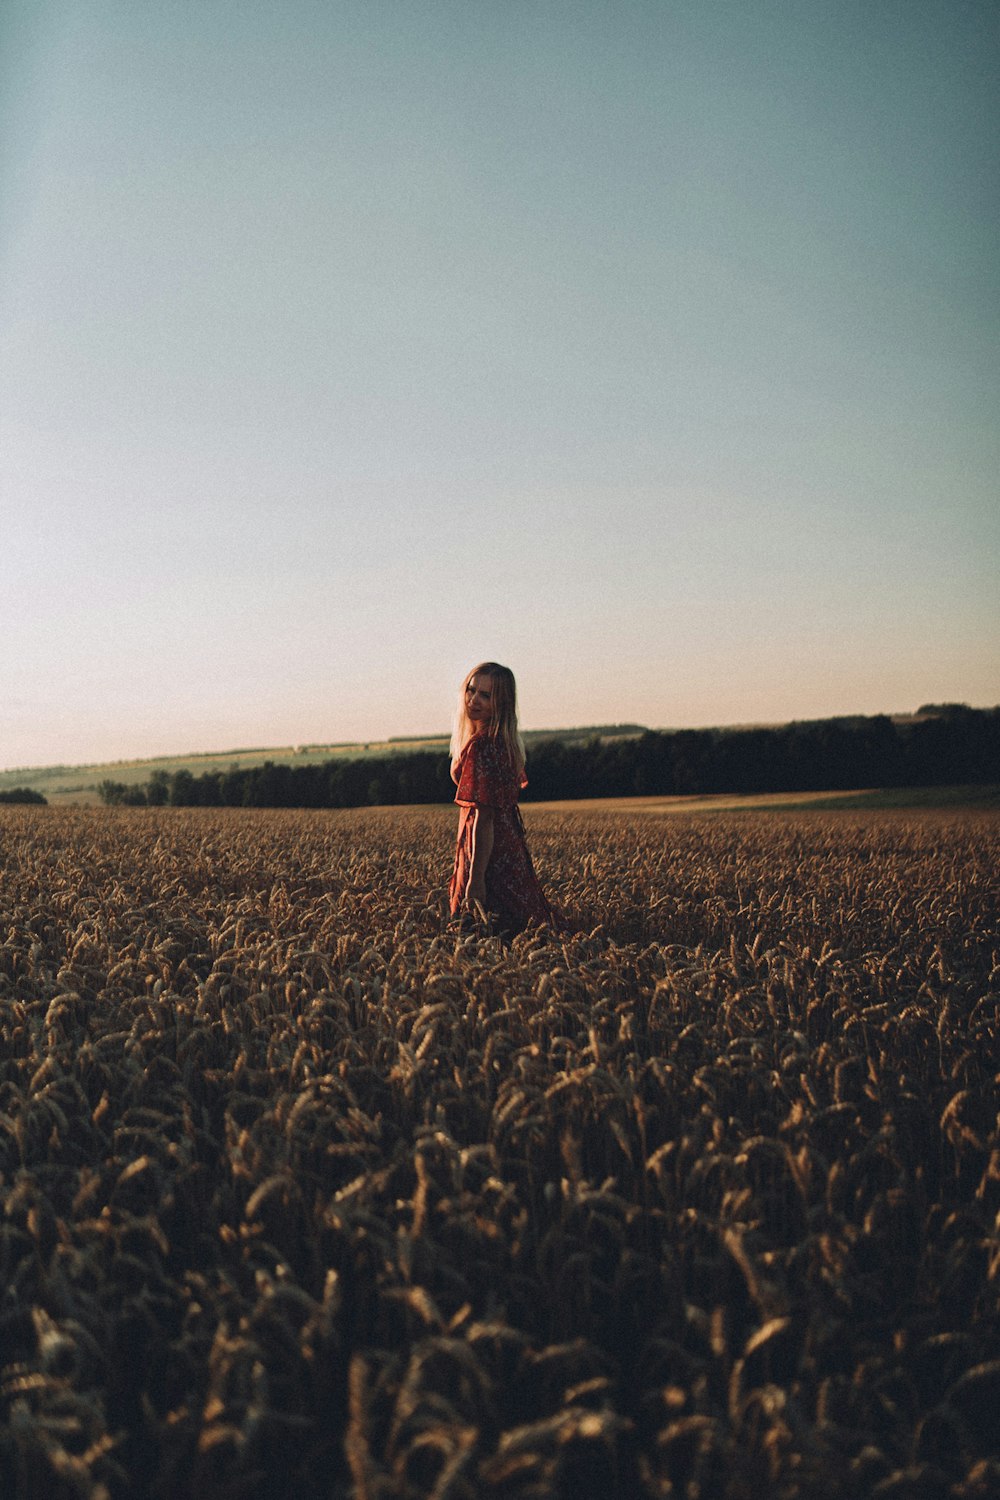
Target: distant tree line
<point>959,746</point>
<point>23,794</point>
<point>946,744</point>
<point>410,776</point>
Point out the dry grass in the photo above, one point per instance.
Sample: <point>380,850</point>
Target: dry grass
<point>304,1195</point>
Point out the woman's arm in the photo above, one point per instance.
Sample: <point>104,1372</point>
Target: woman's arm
<point>482,848</point>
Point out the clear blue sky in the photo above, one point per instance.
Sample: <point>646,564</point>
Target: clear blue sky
<point>651,348</point>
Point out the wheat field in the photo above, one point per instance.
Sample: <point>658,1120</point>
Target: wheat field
<point>306,1194</point>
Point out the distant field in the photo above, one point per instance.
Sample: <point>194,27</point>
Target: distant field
<point>75,793</point>
<point>887,797</point>
<point>77,785</point>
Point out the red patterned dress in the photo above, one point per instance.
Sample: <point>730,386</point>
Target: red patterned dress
<point>486,778</point>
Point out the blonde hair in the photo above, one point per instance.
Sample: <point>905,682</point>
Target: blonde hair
<point>503,715</point>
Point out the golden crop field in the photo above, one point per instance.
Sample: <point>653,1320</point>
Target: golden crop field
<point>306,1195</point>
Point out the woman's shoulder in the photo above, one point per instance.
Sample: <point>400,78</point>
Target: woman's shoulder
<point>487,756</point>
<point>487,750</point>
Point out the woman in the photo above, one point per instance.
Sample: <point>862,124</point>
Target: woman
<point>493,868</point>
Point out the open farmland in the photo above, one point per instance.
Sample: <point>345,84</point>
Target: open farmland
<point>306,1195</point>
<point>78,786</point>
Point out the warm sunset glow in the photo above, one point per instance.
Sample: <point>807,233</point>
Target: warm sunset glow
<point>648,348</point>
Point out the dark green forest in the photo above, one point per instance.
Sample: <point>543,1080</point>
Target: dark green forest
<point>23,794</point>
<point>943,745</point>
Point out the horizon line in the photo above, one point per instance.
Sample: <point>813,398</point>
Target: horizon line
<point>305,747</point>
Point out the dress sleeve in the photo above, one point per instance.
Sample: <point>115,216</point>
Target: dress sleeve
<point>480,782</point>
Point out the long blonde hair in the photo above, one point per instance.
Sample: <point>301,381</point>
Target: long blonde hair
<point>503,715</point>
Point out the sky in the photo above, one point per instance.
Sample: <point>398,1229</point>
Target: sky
<point>649,348</point>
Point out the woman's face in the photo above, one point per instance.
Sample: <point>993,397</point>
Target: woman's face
<point>479,699</point>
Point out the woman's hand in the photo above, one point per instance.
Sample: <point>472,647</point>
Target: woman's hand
<point>482,848</point>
